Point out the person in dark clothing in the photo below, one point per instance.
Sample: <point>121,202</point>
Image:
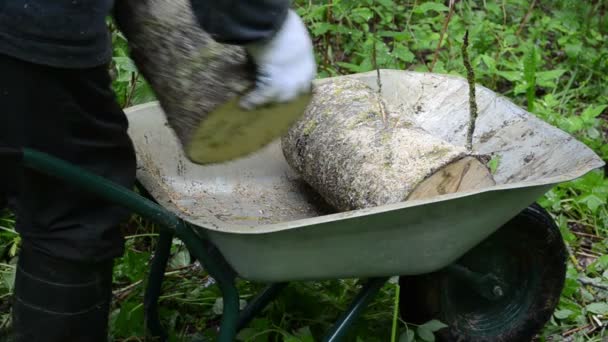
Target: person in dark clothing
<point>56,96</point>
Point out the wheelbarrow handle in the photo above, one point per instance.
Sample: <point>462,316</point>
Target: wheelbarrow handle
<point>97,185</point>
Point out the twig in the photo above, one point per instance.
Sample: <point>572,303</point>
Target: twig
<point>575,330</point>
<point>589,282</point>
<point>326,36</point>
<point>134,78</point>
<point>591,236</point>
<point>123,292</point>
<point>586,254</point>
<point>472,100</point>
<point>525,19</point>
<point>378,79</point>
<point>443,31</point>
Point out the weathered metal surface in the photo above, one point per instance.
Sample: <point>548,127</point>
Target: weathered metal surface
<point>272,227</point>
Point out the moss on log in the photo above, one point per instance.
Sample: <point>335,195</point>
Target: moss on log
<point>355,158</point>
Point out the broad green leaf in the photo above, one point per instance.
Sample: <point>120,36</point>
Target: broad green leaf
<point>592,201</point>
<point>574,49</point>
<point>593,133</point>
<point>494,8</point>
<point>361,15</point>
<point>407,336</point>
<point>321,28</point>
<point>125,63</point>
<point>573,124</point>
<point>403,53</point>
<point>603,261</point>
<point>396,35</point>
<point>545,78</point>
<point>425,334</point>
<point>434,325</point>
<point>431,6</point>
<point>598,308</point>
<point>593,111</point>
<point>512,76</point>
<point>305,335</point>
<point>489,62</point>
<point>563,314</point>
<point>386,3</point>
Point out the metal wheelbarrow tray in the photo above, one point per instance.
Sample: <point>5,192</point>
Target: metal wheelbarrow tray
<point>271,227</point>
<point>488,263</point>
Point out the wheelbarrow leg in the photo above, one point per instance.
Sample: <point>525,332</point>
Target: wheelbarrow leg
<point>369,291</point>
<point>259,303</point>
<point>155,281</point>
<point>217,267</point>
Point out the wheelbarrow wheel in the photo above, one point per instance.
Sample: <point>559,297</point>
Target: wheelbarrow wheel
<point>526,259</point>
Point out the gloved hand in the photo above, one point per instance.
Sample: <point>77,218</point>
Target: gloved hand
<point>285,65</point>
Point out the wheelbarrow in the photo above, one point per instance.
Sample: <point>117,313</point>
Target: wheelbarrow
<point>489,263</point>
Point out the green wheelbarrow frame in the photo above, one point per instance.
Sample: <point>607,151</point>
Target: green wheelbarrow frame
<point>404,239</point>
<point>233,319</point>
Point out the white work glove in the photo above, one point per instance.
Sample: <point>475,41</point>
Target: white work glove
<point>285,65</point>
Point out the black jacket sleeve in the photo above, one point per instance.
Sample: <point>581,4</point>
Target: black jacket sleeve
<point>240,22</point>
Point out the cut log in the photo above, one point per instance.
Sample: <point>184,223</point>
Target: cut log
<point>197,81</point>
<point>357,153</point>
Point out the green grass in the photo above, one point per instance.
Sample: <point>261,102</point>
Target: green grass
<point>550,57</point>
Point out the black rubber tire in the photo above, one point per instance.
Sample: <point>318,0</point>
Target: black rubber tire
<point>530,251</point>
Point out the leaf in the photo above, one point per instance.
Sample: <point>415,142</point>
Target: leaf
<point>431,6</point>
<point>434,325</point>
<point>361,15</point>
<point>572,124</point>
<point>304,334</point>
<point>547,78</point>
<point>603,261</point>
<point>425,334</point>
<point>593,133</point>
<point>9,279</point>
<point>598,308</point>
<point>489,62</point>
<point>125,63</point>
<point>592,112</point>
<point>573,50</point>
<point>494,163</point>
<point>355,67</point>
<point>592,201</point>
<point>321,28</point>
<point>181,259</point>
<point>403,53</point>
<point>407,336</point>
<point>563,314</point>
<point>512,76</point>
<point>396,35</point>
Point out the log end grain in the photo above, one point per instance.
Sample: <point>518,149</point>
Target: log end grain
<point>465,174</point>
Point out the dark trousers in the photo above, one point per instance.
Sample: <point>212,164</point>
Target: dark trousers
<point>71,114</point>
<point>70,237</point>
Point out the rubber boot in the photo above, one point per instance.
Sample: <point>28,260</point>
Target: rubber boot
<point>58,301</point>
